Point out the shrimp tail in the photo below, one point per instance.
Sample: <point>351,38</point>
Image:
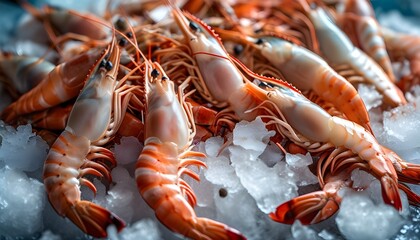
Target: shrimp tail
<point>308,209</point>
<point>93,219</point>
<point>410,174</point>
<point>215,230</point>
<point>413,198</point>
<point>390,193</point>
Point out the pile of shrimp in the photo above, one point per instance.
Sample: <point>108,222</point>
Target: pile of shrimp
<point>153,70</point>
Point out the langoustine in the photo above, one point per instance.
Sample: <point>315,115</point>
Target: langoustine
<point>165,157</point>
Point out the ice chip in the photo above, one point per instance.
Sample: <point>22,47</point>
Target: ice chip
<point>252,136</point>
<point>203,189</point>
<point>402,127</point>
<point>361,179</point>
<point>128,150</point>
<point>231,213</point>
<point>301,232</point>
<point>370,96</point>
<point>299,163</point>
<point>21,149</point>
<point>220,172</point>
<point>326,235</point>
<point>212,146</point>
<point>373,221</point>
<point>271,155</point>
<point>22,201</point>
<point>48,235</point>
<point>145,229</point>
<point>263,183</point>
<point>119,198</point>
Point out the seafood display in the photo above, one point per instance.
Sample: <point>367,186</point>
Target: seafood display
<point>174,74</point>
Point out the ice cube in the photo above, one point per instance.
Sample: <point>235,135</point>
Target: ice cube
<point>128,150</point>
<point>271,155</point>
<point>301,232</point>
<point>370,96</point>
<point>299,163</point>
<point>22,201</point>
<point>263,183</point>
<point>252,136</point>
<point>402,126</point>
<point>213,145</point>
<point>119,199</point>
<point>48,235</point>
<point>359,218</point>
<point>146,229</point>
<point>21,149</point>
<point>220,172</point>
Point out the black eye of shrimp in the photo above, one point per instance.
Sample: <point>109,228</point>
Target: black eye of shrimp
<point>129,34</point>
<point>193,26</point>
<point>259,41</point>
<point>108,65</point>
<point>238,49</point>
<point>164,78</point>
<point>154,73</point>
<point>122,42</point>
<point>102,64</point>
<point>120,24</point>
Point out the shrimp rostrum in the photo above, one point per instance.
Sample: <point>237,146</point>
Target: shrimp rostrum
<point>169,132</point>
<point>77,151</point>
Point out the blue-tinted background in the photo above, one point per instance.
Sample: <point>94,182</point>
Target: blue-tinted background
<point>406,7</point>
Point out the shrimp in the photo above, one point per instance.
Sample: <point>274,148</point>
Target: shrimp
<point>54,118</point>
<point>314,207</point>
<point>217,73</point>
<point>348,60</point>
<point>69,24</point>
<point>359,23</point>
<point>77,152</point>
<point>318,76</point>
<point>294,116</point>
<point>63,83</point>
<point>23,73</point>
<point>169,131</point>
<point>314,125</point>
<point>404,47</point>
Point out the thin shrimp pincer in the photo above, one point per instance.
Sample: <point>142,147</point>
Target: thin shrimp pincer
<point>169,132</point>
<point>78,152</point>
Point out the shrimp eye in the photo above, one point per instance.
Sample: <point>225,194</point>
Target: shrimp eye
<point>108,65</point>
<point>193,26</point>
<point>122,42</point>
<point>237,49</point>
<point>120,24</point>
<point>102,64</point>
<point>154,73</point>
<point>259,41</point>
<point>129,34</point>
